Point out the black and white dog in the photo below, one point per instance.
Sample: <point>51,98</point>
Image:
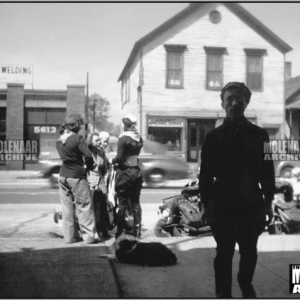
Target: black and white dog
<point>127,249</point>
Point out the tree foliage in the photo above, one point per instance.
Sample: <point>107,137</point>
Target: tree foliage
<point>102,107</point>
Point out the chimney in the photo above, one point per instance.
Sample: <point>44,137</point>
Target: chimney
<point>288,70</point>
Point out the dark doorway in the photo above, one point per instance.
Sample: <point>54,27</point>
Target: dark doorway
<point>197,130</point>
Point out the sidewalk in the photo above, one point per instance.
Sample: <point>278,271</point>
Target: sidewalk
<point>35,262</point>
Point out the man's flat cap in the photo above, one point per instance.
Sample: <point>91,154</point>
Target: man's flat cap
<point>129,119</point>
<point>239,85</point>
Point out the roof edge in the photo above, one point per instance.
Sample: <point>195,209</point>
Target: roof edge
<point>236,8</point>
<point>161,28</point>
<point>258,26</point>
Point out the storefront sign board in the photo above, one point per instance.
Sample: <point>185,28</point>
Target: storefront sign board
<point>165,122</point>
<point>16,73</point>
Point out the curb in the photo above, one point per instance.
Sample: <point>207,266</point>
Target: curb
<point>30,177</point>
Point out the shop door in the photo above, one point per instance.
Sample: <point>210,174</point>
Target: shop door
<point>197,130</point>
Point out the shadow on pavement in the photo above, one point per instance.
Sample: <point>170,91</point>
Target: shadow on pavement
<point>73,272</point>
<point>193,276</point>
<point>29,270</point>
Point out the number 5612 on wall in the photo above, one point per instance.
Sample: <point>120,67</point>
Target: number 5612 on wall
<point>44,129</point>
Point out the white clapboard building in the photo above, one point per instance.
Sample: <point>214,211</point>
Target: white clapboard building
<point>173,76</point>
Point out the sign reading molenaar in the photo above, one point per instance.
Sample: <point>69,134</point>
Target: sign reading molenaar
<point>282,150</point>
<point>165,122</point>
<point>16,73</point>
<point>14,150</point>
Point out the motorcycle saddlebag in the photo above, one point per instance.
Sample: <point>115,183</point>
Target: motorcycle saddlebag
<point>171,205</point>
<point>290,215</point>
<point>190,215</point>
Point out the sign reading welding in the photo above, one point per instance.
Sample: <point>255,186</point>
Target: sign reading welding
<point>16,73</point>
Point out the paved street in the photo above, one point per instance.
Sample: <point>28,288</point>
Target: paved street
<point>36,263</point>
<point>39,191</point>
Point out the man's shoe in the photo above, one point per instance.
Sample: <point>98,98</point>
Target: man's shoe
<point>94,242</point>
<point>248,292</point>
<point>72,241</point>
<point>75,240</point>
<point>247,289</point>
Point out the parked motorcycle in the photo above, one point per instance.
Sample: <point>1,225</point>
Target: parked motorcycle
<point>286,209</point>
<point>180,215</point>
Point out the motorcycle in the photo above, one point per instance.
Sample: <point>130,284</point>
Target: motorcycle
<point>286,209</point>
<point>180,214</point>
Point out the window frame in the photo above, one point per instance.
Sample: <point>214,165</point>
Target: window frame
<point>45,111</point>
<point>127,89</point>
<point>3,134</point>
<point>215,51</point>
<point>3,121</point>
<point>255,53</point>
<point>123,94</point>
<point>175,49</point>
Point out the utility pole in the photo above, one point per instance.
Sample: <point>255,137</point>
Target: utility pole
<point>94,117</point>
<point>87,107</point>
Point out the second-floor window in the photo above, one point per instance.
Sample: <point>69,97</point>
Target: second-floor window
<point>255,68</point>
<point>214,67</point>
<point>174,76</point>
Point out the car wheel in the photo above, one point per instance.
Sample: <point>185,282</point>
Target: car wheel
<point>286,172</point>
<point>156,178</point>
<point>54,174</point>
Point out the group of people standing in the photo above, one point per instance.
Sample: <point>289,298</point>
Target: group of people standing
<point>84,176</point>
<point>236,185</point>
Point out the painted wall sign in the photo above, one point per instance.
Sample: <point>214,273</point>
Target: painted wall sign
<point>44,129</point>
<point>16,73</point>
<point>165,122</point>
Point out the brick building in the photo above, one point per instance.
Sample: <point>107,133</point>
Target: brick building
<point>28,114</point>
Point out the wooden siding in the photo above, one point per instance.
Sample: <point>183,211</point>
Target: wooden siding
<point>194,99</point>
<point>133,76</point>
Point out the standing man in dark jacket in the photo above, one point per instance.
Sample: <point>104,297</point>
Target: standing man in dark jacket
<point>128,182</point>
<point>74,189</point>
<point>237,189</point>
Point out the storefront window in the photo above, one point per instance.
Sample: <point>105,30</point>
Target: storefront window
<point>171,137</point>
<point>55,117</point>
<point>2,127</point>
<point>2,123</point>
<point>43,125</point>
<point>37,117</point>
<point>166,131</point>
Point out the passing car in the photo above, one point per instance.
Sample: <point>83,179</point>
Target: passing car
<point>157,165</point>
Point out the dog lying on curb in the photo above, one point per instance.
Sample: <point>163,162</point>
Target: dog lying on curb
<point>126,249</point>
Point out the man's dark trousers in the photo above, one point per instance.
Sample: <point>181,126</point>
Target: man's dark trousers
<point>128,185</point>
<point>242,225</point>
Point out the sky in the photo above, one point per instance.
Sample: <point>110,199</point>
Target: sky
<point>64,41</point>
